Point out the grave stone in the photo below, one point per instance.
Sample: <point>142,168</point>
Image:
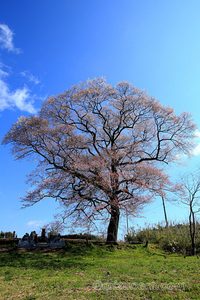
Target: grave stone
<point>55,241</point>
<point>43,238</point>
<point>33,236</point>
<point>26,242</point>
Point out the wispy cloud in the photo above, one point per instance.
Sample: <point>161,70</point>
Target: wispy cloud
<point>22,97</point>
<point>6,39</point>
<point>30,77</point>
<point>2,70</point>
<point>36,223</point>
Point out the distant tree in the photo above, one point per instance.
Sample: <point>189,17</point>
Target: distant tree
<point>191,185</point>
<point>100,149</point>
<point>2,234</point>
<point>169,192</point>
<point>8,234</point>
<point>54,228</point>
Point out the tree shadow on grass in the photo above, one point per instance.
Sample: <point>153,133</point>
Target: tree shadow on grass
<point>44,259</point>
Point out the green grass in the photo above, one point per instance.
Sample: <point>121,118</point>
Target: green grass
<point>96,272</point>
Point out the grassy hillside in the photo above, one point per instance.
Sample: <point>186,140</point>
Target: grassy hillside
<point>98,272</point>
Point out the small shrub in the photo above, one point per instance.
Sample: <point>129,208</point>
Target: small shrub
<point>175,238</point>
<point>131,236</point>
<point>8,234</point>
<point>81,236</point>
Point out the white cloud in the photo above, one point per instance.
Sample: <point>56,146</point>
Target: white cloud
<point>197,134</point>
<point>20,98</point>
<point>196,150</point>
<point>6,39</point>
<point>36,223</point>
<point>30,77</point>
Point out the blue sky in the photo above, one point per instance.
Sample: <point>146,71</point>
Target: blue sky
<point>47,46</point>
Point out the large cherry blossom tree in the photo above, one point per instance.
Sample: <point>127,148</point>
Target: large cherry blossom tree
<point>100,149</point>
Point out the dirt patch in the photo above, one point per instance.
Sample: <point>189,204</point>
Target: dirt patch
<point>7,249</point>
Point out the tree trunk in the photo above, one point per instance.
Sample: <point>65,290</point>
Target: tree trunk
<point>114,218</point>
<point>192,230</point>
<point>165,213</point>
<point>113,226</point>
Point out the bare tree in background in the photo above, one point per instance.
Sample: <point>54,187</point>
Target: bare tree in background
<point>191,185</point>
<point>55,227</point>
